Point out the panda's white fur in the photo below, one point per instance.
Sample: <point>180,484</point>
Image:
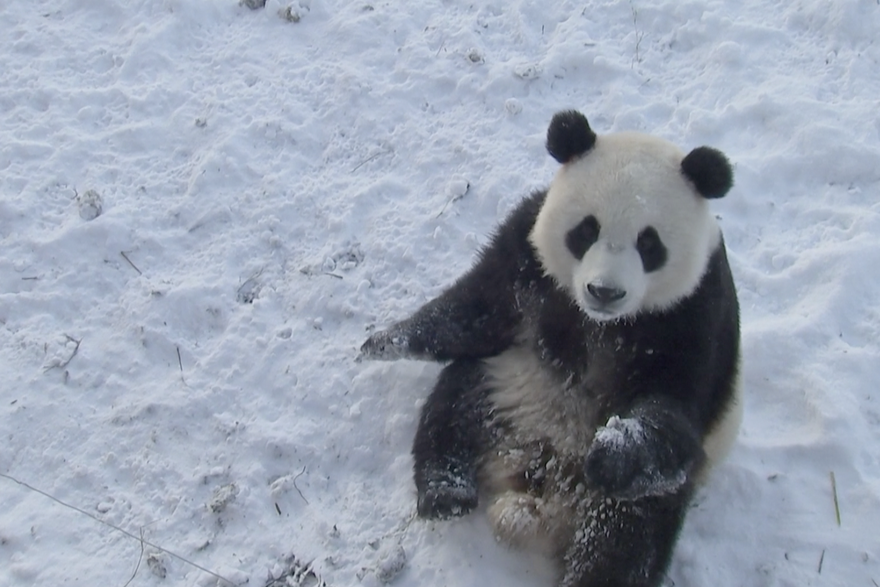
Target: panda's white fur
<point>628,181</point>
<point>538,408</point>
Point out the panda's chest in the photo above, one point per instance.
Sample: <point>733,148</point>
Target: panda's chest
<point>538,405</point>
<point>563,378</point>
<point>600,360</point>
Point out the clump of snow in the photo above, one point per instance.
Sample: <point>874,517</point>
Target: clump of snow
<point>293,13</point>
<point>527,71</point>
<point>513,106</point>
<point>293,573</point>
<point>222,497</point>
<point>391,564</point>
<point>457,187</point>
<point>227,145</point>
<point>90,204</point>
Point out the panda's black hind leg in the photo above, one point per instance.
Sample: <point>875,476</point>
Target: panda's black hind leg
<point>451,435</point>
<point>624,543</point>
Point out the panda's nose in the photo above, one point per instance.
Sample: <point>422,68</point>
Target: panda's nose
<point>605,294</point>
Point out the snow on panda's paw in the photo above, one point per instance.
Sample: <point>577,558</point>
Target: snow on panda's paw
<point>623,463</point>
<point>616,457</point>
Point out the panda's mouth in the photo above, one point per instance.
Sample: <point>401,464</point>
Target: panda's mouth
<point>603,315</point>
<point>602,312</point>
<point>603,302</point>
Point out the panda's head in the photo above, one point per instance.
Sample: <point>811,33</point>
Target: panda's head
<point>625,227</point>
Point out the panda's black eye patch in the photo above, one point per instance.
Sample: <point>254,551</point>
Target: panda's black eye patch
<point>651,249</point>
<point>580,238</point>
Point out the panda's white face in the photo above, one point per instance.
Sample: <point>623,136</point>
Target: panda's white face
<point>623,230</point>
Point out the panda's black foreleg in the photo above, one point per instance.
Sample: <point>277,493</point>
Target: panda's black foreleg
<point>451,434</point>
<point>455,325</point>
<point>624,543</point>
<point>651,449</point>
<point>476,317</point>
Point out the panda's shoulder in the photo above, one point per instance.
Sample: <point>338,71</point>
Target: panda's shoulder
<point>715,292</point>
<point>521,219</point>
<point>679,334</point>
<point>509,244</point>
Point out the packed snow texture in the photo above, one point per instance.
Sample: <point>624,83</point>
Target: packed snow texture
<point>205,209</point>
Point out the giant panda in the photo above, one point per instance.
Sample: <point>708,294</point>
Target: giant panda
<point>592,354</point>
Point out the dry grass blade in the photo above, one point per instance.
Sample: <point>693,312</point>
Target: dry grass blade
<point>138,565</point>
<point>117,528</point>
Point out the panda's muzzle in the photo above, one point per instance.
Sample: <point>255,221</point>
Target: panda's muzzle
<point>604,294</point>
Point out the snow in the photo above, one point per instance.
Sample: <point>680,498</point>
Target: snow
<point>619,432</point>
<point>205,209</point>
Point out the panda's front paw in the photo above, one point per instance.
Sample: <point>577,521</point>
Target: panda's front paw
<point>386,345</point>
<point>613,460</point>
<point>627,461</point>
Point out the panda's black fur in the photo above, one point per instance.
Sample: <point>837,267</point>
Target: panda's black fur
<point>611,519</point>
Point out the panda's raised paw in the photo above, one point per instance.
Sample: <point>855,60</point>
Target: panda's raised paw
<point>627,462</point>
<point>386,345</point>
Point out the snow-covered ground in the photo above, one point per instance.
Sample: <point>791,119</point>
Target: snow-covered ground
<point>204,209</point>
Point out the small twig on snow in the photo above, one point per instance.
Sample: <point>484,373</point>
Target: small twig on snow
<point>124,256</point>
<point>821,560</point>
<point>446,205</point>
<point>297,488</point>
<point>72,355</point>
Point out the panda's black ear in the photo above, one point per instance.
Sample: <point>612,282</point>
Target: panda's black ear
<point>569,135</point>
<point>710,171</point>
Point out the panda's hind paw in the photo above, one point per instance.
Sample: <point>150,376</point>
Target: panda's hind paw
<point>442,500</point>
